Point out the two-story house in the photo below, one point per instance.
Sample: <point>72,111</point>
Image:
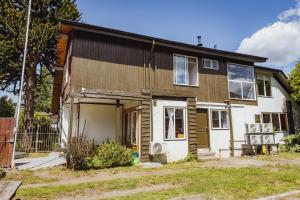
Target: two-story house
<point>140,90</point>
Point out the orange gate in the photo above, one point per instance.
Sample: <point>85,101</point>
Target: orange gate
<point>6,140</point>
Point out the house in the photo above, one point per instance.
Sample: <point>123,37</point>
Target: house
<point>141,90</point>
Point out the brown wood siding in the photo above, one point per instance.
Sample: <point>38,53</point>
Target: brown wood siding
<point>93,74</point>
<point>192,125</point>
<point>146,129</point>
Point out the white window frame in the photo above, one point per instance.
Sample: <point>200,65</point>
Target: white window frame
<point>270,114</point>
<point>186,70</point>
<point>241,82</point>
<point>184,122</point>
<point>264,77</point>
<point>219,116</point>
<point>211,64</point>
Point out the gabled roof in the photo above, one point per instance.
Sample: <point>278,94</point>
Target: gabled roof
<point>68,26</point>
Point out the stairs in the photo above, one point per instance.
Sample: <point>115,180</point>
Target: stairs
<point>204,154</point>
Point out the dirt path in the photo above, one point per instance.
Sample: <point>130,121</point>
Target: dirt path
<point>93,195</point>
<point>102,177</point>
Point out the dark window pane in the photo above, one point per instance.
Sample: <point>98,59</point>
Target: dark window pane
<point>215,119</point>
<point>179,124</point>
<point>235,89</point>
<point>260,86</point>
<point>133,127</point>
<point>283,122</point>
<point>224,123</point>
<point>215,64</point>
<point>268,86</point>
<point>275,122</point>
<point>266,118</point>
<point>207,63</point>
<point>248,90</point>
<point>193,72</point>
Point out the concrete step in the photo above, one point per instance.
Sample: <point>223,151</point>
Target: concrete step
<point>205,155</point>
<point>203,150</point>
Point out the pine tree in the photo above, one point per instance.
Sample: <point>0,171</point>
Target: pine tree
<point>6,107</point>
<point>43,34</point>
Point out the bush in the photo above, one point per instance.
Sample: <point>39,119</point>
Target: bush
<point>110,154</point>
<point>78,149</point>
<point>291,143</point>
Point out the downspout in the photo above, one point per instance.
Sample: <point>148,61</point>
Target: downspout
<point>231,128</point>
<point>150,87</point>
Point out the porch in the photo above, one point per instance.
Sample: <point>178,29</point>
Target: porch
<point>109,115</point>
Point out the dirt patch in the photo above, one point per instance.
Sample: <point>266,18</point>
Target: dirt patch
<point>93,195</point>
<point>102,176</point>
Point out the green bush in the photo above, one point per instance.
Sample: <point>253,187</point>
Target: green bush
<point>78,148</point>
<point>110,154</point>
<point>291,143</point>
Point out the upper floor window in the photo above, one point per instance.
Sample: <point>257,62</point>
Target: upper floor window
<point>185,70</point>
<point>263,85</point>
<point>210,64</point>
<point>241,82</point>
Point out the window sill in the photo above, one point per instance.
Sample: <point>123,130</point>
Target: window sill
<point>211,68</point>
<point>262,96</point>
<point>243,99</point>
<point>178,139</point>
<point>184,85</point>
<point>219,129</point>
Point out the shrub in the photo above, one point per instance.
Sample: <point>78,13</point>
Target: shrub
<point>78,149</point>
<point>110,154</point>
<point>291,143</point>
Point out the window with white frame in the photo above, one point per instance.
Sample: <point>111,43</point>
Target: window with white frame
<point>185,70</point>
<point>174,123</point>
<point>278,120</point>
<point>210,64</point>
<point>219,119</point>
<point>241,82</point>
<point>263,85</point>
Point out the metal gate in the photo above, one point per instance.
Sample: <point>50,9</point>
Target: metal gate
<point>6,140</point>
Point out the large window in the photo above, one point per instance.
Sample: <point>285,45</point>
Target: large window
<point>185,70</point>
<point>278,120</point>
<point>241,82</point>
<point>219,119</point>
<point>174,123</point>
<point>263,85</point>
<point>210,64</point>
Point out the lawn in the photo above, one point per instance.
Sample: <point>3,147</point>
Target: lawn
<point>188,178</point>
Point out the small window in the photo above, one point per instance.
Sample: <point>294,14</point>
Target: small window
<point>264,85</point>
<point>174,123</point>
<point>275,122</point>
<point>219,119</point>
<point>283,123</point>
<point>266,118</point>
<point>210,64</point>
<point>185,70</point>
<point>257,119</point>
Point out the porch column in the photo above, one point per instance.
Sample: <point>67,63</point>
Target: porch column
<point>145,130</point>
<point>118,120</point>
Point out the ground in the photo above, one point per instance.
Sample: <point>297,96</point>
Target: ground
<point>237,178</point>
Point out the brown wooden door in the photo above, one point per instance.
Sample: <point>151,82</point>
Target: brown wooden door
<point>202,128</point>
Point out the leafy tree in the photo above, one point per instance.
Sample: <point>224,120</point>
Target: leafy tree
<point>6,107</point>
<point>43,34</point>
<point>294,79</point>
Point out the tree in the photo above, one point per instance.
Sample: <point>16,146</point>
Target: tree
<point>294,79</point>
<point>43,94</point>
<point>43,34</point>
<point>6,107</point>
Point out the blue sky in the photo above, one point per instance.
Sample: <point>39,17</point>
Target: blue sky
<point>225,23</point>
<point>268,28</point>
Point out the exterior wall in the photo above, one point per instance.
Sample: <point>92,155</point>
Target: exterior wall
<point>219,138</point>
<point>64,124</point>
<point>177,149</point>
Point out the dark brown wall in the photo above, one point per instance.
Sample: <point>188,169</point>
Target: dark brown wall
<point>102,62</point>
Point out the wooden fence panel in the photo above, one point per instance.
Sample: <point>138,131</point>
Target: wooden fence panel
<point>6,140</point>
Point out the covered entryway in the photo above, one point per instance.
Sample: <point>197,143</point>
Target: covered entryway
<point>202,129</point>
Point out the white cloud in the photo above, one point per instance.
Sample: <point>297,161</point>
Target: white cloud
<point>280,41</point>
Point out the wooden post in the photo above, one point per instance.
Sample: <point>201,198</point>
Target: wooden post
<point>118,107</point>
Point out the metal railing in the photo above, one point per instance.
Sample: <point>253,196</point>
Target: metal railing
<point>38,139</point>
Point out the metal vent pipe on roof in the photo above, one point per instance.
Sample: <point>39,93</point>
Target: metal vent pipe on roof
<point>199,41</point>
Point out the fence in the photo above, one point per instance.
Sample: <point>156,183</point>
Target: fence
<point>39,138</point>
<point>6,140</point>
